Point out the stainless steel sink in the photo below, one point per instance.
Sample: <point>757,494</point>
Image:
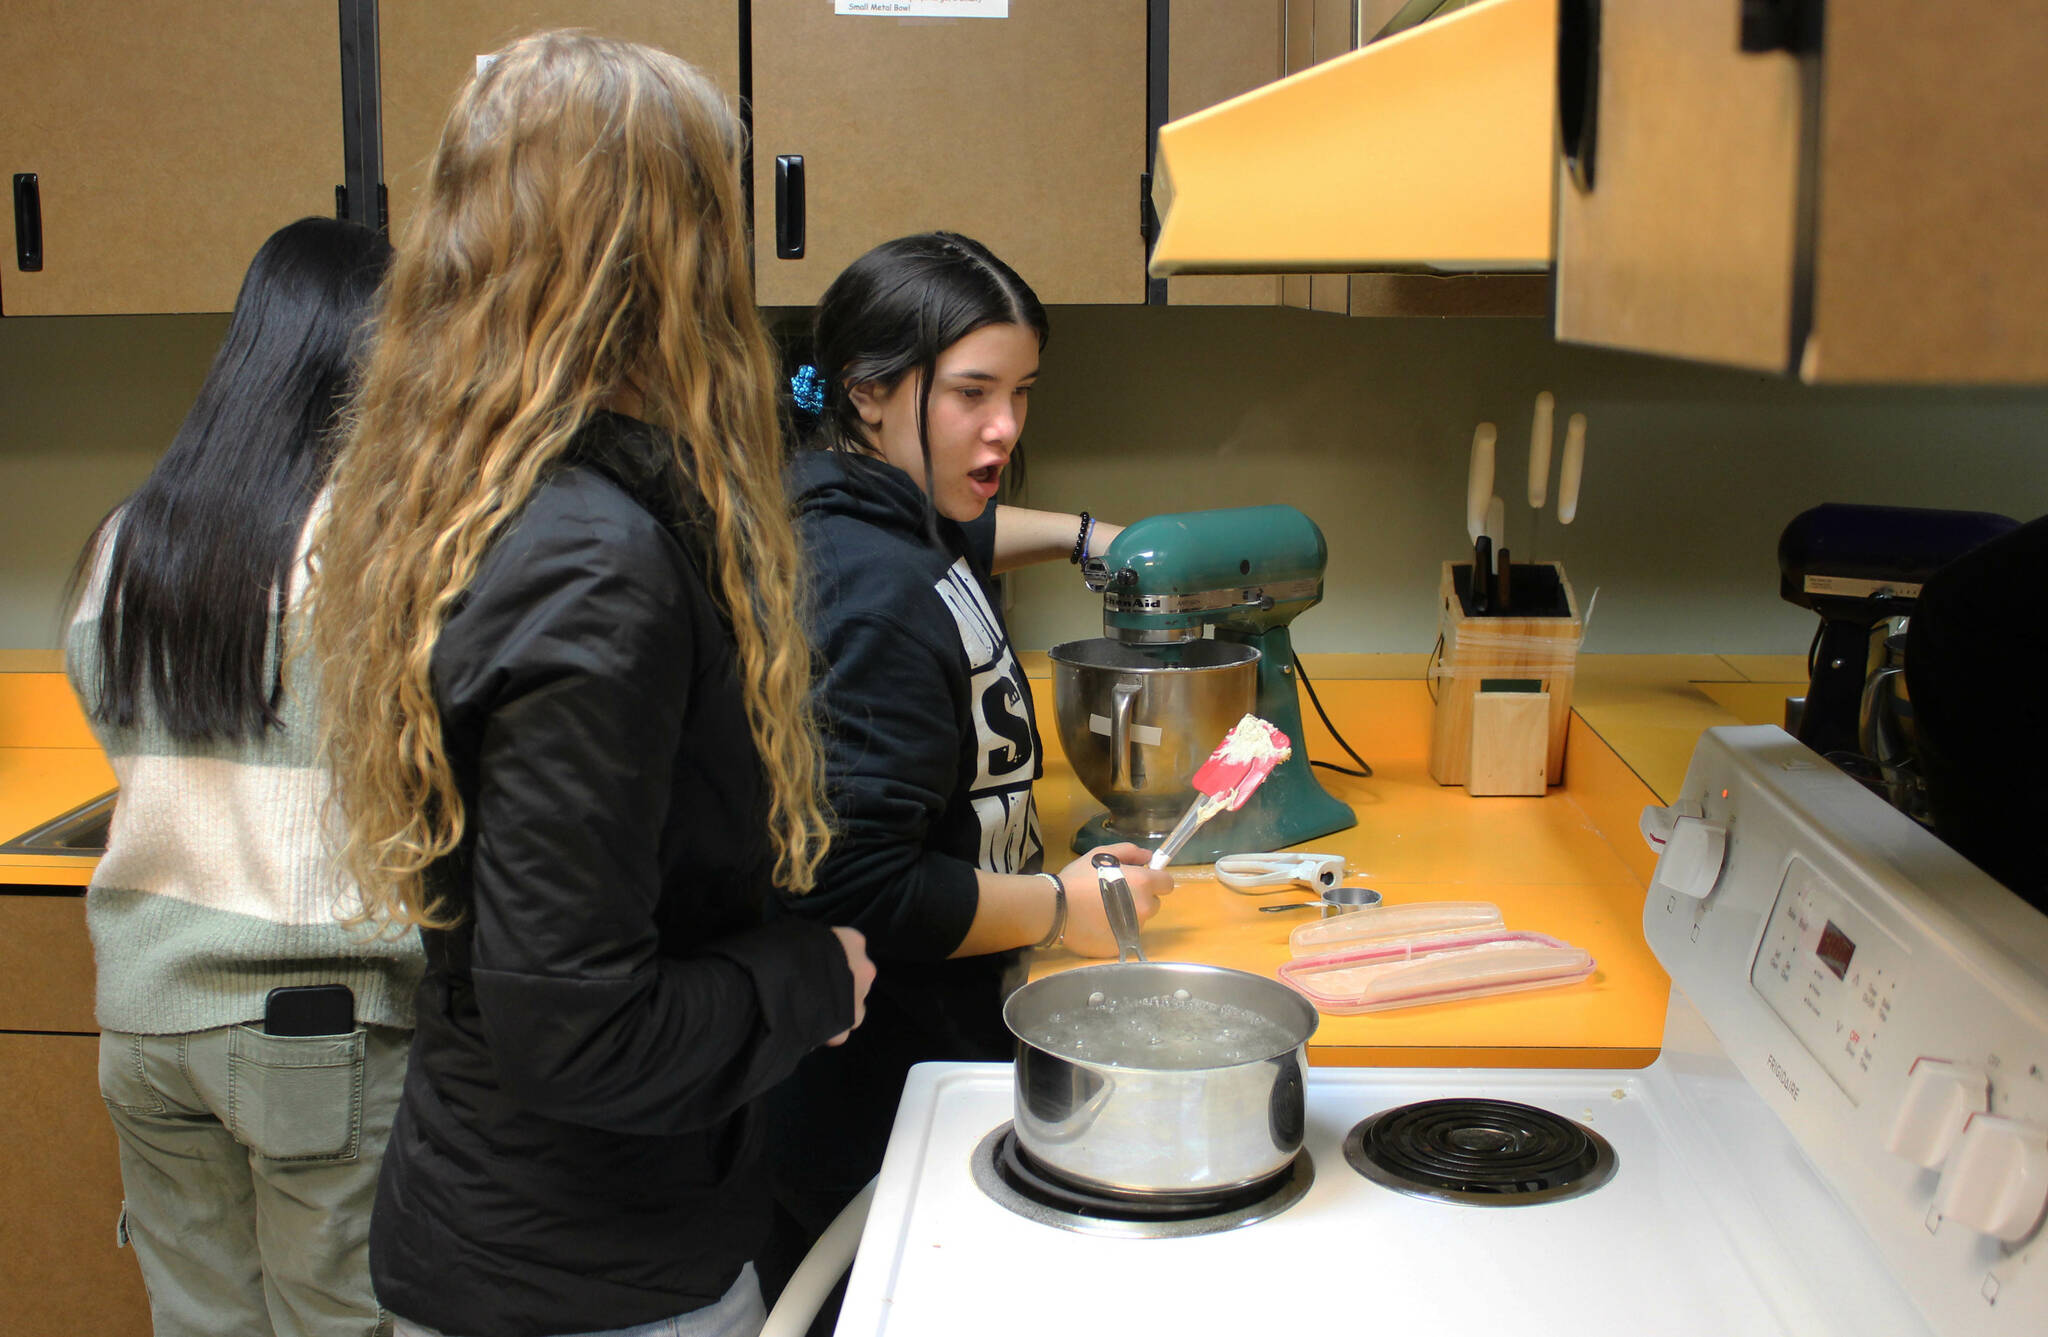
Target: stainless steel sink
<point>81,832</point>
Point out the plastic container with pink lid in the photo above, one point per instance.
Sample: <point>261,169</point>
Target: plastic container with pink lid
<point>1449,952</point>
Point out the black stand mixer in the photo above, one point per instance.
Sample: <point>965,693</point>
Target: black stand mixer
<point>1858,566</point>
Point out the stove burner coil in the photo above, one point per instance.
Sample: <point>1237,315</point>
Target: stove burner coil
<point>1493,1153</point>
<point>1018,1181</point>
<point>1039,1181</point>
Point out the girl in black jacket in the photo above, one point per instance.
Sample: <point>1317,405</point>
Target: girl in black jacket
<point>568,691</point>
<point>927,348</point>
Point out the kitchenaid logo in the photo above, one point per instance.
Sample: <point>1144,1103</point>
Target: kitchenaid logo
<point>1784,1078</point>
<point>1847,587</point>
<point>1000,792</point>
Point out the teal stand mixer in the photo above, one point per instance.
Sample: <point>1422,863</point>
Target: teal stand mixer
<point>1185,599</point>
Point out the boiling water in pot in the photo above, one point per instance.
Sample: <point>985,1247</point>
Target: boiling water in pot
<point>1169,1032</point>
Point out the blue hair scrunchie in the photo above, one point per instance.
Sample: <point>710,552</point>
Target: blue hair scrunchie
<point>807,388</point>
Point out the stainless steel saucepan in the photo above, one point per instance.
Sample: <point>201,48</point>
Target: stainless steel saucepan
<point>1160,1077</point>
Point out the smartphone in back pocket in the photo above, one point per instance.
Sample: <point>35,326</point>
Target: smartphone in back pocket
<point>310,1009</point>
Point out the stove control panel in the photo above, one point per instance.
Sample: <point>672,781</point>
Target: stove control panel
<point>1889,1002</point>
<point>1831,973</point>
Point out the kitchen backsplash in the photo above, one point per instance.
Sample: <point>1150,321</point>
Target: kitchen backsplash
<point>1690,471</point>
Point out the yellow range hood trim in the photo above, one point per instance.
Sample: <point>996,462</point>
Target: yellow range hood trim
<point>1433,149</point>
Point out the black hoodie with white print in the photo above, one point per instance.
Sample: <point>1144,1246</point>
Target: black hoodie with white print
<point>931,748</point>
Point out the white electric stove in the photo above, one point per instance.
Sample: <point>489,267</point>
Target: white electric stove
<point>1846,1132</point>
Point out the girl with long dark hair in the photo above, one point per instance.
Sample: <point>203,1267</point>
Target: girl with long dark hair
<point>926,353</point>
<point>569,710</point>
<point>248,1158</point>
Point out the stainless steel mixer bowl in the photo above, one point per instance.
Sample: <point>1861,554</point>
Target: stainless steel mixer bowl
<point>1136,723</point>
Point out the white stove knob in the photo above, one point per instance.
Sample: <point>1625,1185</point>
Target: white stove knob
<point>1692,857</point>
<point>1997,1177</point>
<point>1940,1098</point>
<point>1656,822</point>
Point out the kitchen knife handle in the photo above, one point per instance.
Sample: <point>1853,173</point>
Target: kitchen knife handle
<point>789,206</point>
<point>1541,435</point>
<point>1479,483</point>
<point>1571,468</point>
<point>28,223</point>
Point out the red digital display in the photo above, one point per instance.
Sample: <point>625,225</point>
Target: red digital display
<point>1835,950</point>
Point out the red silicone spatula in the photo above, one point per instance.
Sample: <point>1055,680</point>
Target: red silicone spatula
<point>1238,766</point>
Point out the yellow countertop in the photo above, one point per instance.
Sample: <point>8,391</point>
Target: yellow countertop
<point>1569,864</point>
<point>1565,864</point>
<point>49,764</point>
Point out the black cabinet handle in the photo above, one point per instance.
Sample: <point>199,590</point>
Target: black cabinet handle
<point>28,223</point>
<point>789,206</point>
<point>1781,25</point>
<point>1578,86</point>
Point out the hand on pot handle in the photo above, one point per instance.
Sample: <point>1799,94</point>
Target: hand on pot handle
<point>1087,926</point>
<point>855,944</point>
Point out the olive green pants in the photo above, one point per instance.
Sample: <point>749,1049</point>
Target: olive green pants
<point>249,1164</point>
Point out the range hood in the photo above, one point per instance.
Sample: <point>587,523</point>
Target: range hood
<point>1430,150</point>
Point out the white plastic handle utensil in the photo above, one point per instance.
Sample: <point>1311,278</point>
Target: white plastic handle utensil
<point>1540,438</point>
<point>1248,872</point>
<point>1479,485</point>
<point>1497,524</point>
<point>1570,468</point>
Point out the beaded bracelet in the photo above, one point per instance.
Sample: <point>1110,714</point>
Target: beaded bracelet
<point>1059,913</point>
<point>1081,539</point>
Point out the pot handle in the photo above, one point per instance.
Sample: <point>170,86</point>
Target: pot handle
<point>1122,758</point>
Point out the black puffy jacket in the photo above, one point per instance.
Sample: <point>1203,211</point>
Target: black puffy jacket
<point>575,1147</point>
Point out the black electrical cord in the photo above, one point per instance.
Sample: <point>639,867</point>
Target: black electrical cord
<point>1363,771</point>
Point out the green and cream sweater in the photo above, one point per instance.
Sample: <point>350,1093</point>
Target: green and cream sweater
<point>218,885</point>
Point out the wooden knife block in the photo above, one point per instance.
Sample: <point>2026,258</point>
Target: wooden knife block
<point>1479,649</point>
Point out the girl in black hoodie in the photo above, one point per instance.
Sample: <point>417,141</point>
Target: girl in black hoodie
<point>927,348</point>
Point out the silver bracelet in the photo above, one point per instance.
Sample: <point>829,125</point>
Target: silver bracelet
<point>1059,913</point>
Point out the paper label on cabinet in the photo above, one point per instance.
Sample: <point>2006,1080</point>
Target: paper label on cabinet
<point>924,9</point>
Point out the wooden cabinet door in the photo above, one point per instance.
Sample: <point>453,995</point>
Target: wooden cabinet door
<point>1215,50</point>
<point>1685,243</point>
<point>1930,262</point>
<point>1026,133</point>
<point>168,140</point>
<point>59,1266</point>
<point>46,967</point>
<point>428,50</point>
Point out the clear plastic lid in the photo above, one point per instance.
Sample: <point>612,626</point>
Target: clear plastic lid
<point>1377,923</point>
<point>1437,968</point>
